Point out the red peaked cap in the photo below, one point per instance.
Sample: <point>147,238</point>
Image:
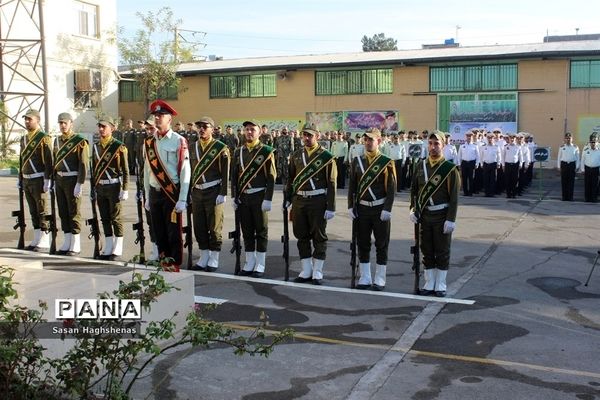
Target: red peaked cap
<point>161,107</point>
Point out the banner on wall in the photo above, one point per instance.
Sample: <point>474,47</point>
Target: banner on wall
<point>271,123</point>
<point>585,127</point>
<point>359,121</point>
<point>481,114</point>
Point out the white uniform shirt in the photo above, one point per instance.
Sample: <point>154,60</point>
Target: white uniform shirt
<point>568,153</point>
<point>356,150</point>
<point>450,153</point>
<point>490,153</point>
<point>590,158</point>
<point>512,154</point>
<point>468,152</point>
<point>396,151</point>
<point>526,154</point>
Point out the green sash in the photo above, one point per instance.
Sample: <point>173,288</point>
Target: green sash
<point>32,146</point>
<point>158,169</point>
<point>435,181</point>
<point>311,169</point>
<point>108,155</point>
<point>250,171</point>
<point>66,149</point>
<point>207,159</point>
<point>372,172</point>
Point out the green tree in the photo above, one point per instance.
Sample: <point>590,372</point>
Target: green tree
<point>378,43</point>
<point>154,52</point>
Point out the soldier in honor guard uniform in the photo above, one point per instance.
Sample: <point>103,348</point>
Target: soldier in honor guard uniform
<point>512,161</point>
<point>36,160</point>
<point>209,162</point>
<point>111,180</point>
<point>568,164</point>
<point>166,182</point>
<point>433,204</point>
<point>590,166</point>
<point>371,194</point>
<point>311,186</point>
<point>339,149</point>
<point>149,131</point>
<point>467,159</point>
<point>490,160</point>
<point>252,184</point>
<point>71,163</point>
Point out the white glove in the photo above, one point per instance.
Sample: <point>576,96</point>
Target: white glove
<point>413,217</point>
<point>46,185</point>
<point>385,215</point>
<point>351,213</point>
<point>329,214</point>
<point>147,204</point>
<point>139,195</point>
<point>449,227</point>
<point>181,206</point>
<point>220,199</point>
<point>123,195</point>
<point>288,205</point>
<point>18,184</point>
<point>266,205</point>
<point>235,205</point>
<point>77,190</point>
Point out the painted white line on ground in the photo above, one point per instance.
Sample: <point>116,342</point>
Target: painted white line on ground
<point>208,300</point>
<point>308,286</point>
<point>335,289</point>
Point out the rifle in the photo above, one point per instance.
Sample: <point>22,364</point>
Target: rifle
<point>20,213</point>
<point>52,216</point>
<point>285,238</point>
<point>416,267</point>
<point>93,222</point>
<point>138,227</point>
<point>592,270</point>
<point>188,230</point>
<point>354,243</point>
<point>235,235</point>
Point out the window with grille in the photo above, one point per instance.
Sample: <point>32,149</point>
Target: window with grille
<point>365,81</point>
<point>473,78</point>
<point>236,86</point>
<point>130,91</point>
<point>88,88</point>
<point>585,74</point>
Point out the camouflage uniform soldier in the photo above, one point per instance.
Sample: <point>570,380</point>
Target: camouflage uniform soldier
<point>265,137</point>
<point>130,140</point>
<point>71,161</point>
<point>311,185</point>
<point>111,179</point>
<point>283,150</point>
<point>36,158</point>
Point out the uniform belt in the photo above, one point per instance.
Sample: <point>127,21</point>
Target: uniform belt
<point>310,193</point>
<point>108,181</point>
<point>67,173</point>
<point>437,207</point>
<point>207,185</point>
<point>31,176</point>
<point>373,203</point>
<point>254,190</point>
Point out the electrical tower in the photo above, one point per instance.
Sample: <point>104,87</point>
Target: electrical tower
<point>23,73</point>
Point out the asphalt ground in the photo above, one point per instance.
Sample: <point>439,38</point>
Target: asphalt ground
<point>532,331</point>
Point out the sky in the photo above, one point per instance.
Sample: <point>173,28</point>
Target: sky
<point>241,29</point>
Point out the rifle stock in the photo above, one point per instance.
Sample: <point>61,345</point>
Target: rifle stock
<point>235,236</point>
<point>188,231</point>
<point>93,222</point>
<point>416,267</point>
<point>138,227</point>
<point>52,217</point>
<point>285,238</point>
<point>20,213</point>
